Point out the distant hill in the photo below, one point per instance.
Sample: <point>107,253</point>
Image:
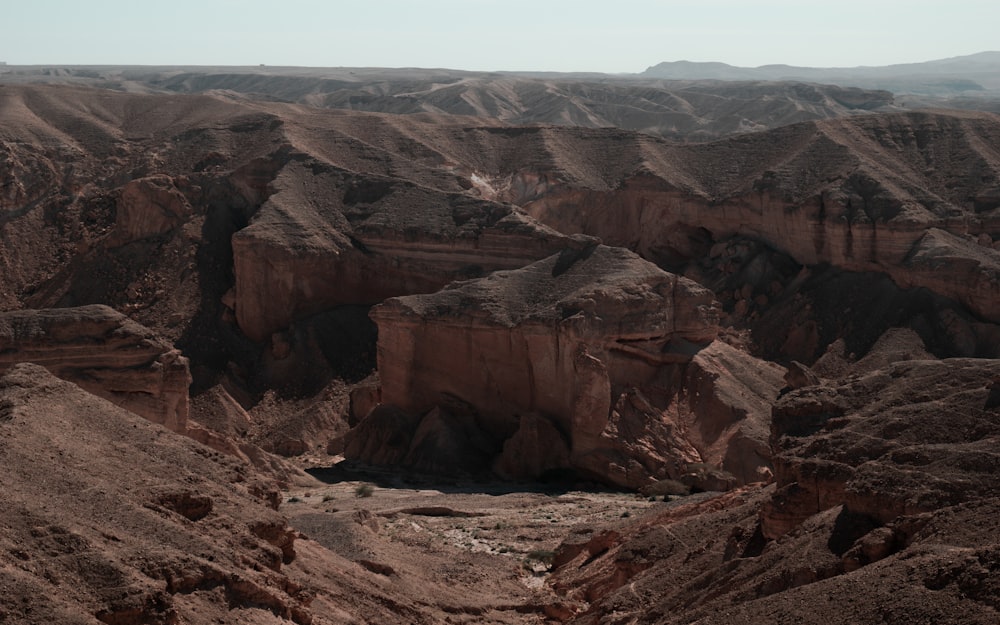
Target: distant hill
<point>680,110</point>
<point>958,75</point>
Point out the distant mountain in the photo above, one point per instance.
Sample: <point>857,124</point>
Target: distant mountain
<point>976,73</point>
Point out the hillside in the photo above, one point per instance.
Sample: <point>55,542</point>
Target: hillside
<point>682,110</point>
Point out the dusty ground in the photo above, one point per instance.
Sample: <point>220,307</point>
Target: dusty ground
<point>481,551</point>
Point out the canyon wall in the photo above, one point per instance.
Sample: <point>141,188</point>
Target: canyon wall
<point>590,346</point>
<point>326,238</point>
<point>104,352</point>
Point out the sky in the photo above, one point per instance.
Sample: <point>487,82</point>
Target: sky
<point>616,36</point>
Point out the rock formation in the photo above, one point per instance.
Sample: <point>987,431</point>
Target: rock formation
<point>912,437</point>
<point>240,230</point>
<point>584,351</point>
<point>105,353</point>
<point>148,207</point>
<point>863,194</point>
<point>326,238</point>
<point>885,499</point>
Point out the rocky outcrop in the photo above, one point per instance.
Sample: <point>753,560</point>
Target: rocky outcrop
<point>573,338</point>
<point>148,207</point>
<point>327,238</point>
<point>536,448</point>
<point>889,193</point>
<point>724,409</point>
<point>912,437</point>
<point>104,352</point>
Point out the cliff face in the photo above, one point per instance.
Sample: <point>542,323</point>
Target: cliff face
<point>593,344</point>
<point>326,237</point>
<point>104,352</point>
<point>908,195</point>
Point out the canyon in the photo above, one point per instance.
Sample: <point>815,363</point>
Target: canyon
<point>283,361</point>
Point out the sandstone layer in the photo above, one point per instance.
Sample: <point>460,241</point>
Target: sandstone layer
<point>865,194</point>
<point>326,237</point>
<point>105,353</point>
<point>139,211</point>
<point>585,351</point>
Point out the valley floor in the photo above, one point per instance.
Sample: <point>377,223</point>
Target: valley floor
<point>473,551</point>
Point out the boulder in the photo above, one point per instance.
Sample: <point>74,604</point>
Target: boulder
<point>148,207</point>
<point>724,410</point>
<point>800,376</point>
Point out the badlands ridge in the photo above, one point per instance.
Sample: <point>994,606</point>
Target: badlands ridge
<point>788,341</point>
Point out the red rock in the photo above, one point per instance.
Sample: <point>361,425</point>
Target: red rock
<point>590,324</point>
<point>120,502</point>
<point>148,207</point>
<point>535,448</point>
<point>329,238</point>
<point>866,211</point>
<point>911,437</point>
<point>104,352</point>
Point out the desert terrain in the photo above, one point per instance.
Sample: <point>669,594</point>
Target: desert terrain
<point>385,346</point>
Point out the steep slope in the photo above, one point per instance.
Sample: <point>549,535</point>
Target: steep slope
<point>112,519</point>
<point>105,352</point>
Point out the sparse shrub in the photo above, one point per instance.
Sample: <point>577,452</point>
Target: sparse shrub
<point>626,514</point>
<point>666,487</point>
<point>327,497</point>
<point>364,490</point>
<point>544,556</point>
<point>294,499</point>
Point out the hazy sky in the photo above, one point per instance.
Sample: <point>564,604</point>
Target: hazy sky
<point>557,35</point>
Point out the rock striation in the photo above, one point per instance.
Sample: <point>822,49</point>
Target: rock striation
<point>584,352</point>
<point>327,237</point>
<point>104,352</point>
<point>909,195</point>
<point>909,438</point>
<point>885,501</point>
